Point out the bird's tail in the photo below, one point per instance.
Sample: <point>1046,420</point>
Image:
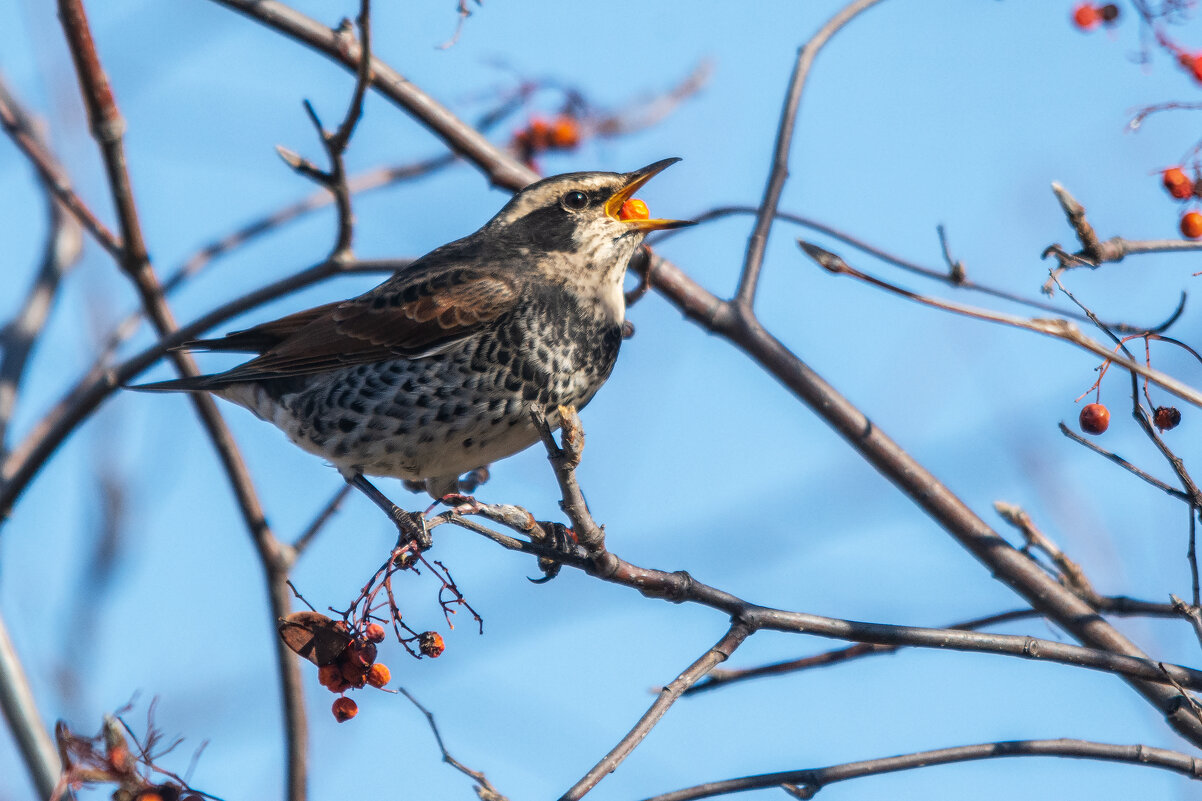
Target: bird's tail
<point>198,383</point>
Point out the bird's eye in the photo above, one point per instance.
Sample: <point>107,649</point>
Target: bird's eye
<point>574,200</point>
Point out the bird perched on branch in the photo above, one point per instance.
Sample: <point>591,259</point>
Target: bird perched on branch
<point>434,372</point>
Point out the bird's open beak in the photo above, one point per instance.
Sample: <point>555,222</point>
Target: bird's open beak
<point>635,181</point>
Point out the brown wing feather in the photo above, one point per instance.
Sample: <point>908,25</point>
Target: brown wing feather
<point>403,317</point>
<point>260,337</point>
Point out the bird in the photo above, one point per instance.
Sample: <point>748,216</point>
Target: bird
<point>435,372</point>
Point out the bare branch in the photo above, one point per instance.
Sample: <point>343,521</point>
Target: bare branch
<point>17,339</point>
<point>327,512</point>
<point>564,460</point>
<point>749,278</point>
<point>814,779</point>
<point>54,178</point>
<point>1058,329</point>
<point>721,651</point>
<point>485,790</point>
<point>955,276</point>
<point>108,129</point>
<point>1120,461</point>
<point>24,721</point>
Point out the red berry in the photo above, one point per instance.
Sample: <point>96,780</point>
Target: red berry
<point>378,675</point>
<point>565,133</point>
<point>1086,16</point>
<point>1195,66</point>
<point>344,709</point>
<point>1191,225</point>
<point>1177,183</point>
<point>430,643</point>
<point>1166,417</point>
<point>634,209</point>
<point>374,632</point>
<point>1095,419</point>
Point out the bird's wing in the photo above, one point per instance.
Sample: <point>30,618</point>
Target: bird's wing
<point>261,337</point>
<point>411,315</point>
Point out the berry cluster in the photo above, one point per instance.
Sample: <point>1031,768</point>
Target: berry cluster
<point>540,135</point>
<point>354,667</point>
<point>1095,418</point>
<point>1087,16</point>
<point>345,654</point>
<point>1182,187</point>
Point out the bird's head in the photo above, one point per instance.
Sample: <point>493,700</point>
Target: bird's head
<point>579,227</point>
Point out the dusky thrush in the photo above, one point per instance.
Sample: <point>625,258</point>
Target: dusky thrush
<point>435,371</point>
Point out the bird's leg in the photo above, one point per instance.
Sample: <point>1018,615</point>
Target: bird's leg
<point>412,527</point>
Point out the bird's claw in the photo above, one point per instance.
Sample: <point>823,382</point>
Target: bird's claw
<point>412,529</point>
<point>560,538</point>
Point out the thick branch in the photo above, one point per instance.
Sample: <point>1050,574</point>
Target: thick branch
<point>108,129</point>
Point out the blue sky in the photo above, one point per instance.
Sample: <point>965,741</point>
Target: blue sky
<point>917,114</point>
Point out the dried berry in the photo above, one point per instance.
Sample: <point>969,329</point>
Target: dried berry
<point>430,643</point>
<point>362,653</point>
<point>1095,419</point>
<point>1166,417</point>
<point>1109,13</point>
<point>344,709</point>
<point>378,675</point>
<point>1191,225</point>
<point>1177,183</point>
<point>634,209</point>
<point>354,674</point>
<point>330,677</point>
<point>374,632</point>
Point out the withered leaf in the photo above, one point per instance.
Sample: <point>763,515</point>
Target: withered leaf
<point>314,636</point>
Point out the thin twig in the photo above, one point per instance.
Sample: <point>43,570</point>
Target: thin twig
<point>1071,574</point>
<point>485,790</point>
<point>17,339</point>
<point>1056,328</point>
<point>327,512</point>
<point>1121,462</point>
<point>24,136</point>
<point>756,243</point>
<point>952,276</point>
<point>1189,612</point>
<point>719,653</point>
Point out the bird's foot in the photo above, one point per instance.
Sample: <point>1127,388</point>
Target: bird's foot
<point>411,528</point>
<point>458,503</point>
<point>559,538</point>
